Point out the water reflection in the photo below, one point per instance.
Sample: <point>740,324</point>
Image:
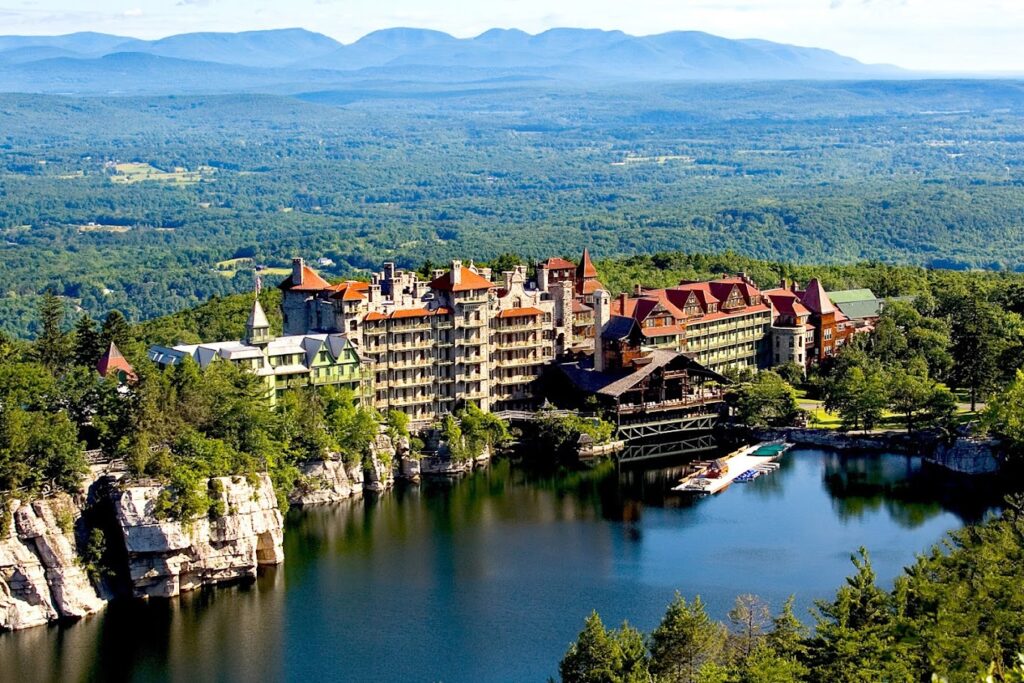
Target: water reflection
<point>487,578</point>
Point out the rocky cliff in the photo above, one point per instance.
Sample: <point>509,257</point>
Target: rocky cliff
<point>332,480</point>
<point>166,558</point>
<point>968,456</point>
<point>42,578</point>
<point>327,481</point>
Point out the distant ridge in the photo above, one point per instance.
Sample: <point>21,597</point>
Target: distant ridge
<point>96,62</point>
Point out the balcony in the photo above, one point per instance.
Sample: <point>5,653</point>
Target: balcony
<point>413,346</point>
<point>519,344</point>
<point>417,363</point>
<point>509,329</point>
<point>519,362</point>
<point>414,382</point>
<point>411,400</point>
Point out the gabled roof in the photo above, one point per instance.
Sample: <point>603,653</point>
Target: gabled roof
<point>786,302</point>
<point>557,263</point>
<point>350,290</point>
<point>468,281</point>
<point>114,361</point>
<point>815,298</point>
<point>591,286</point>
<point>311,282</point>
<point>586,267</point>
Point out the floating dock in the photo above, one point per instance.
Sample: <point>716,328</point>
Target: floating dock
<point>742,465</point>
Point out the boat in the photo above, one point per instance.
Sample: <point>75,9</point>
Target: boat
<point>742,466</point>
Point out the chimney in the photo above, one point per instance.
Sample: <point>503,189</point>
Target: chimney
<point>602,314</point>
<point>296,272</point>
<point>638,290</point>
<point>374,293</point>
<point>542,279</point>
<point>508,280</point>
<point>456,272</point>
<point>622,303</point>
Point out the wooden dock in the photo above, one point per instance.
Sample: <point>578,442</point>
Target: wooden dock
<point>737,464</point>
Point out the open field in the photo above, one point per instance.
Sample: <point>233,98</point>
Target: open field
<point>129,173</point>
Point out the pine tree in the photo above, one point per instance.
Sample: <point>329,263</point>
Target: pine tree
<point>51,346</point>
<point>855,640</point>
<point>593,657</point>
<point>88,347</point>
<point>117,330</point>
<point>788,635</point>
<point>975,345</point>
<point>685,640</point>
<point>749,617</point>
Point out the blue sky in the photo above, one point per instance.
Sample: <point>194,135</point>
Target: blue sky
<point>938,35</point>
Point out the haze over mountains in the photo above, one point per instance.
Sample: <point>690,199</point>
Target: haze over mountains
<point>295,59</point>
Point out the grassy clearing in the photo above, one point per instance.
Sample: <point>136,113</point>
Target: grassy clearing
<point>130,173</point>
<point>96,227</point>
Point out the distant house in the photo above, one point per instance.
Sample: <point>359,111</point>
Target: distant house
<point>325,262</point>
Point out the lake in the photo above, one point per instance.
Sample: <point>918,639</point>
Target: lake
<point>489,578</point>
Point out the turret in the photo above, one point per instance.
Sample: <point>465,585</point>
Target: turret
<point>257,328</point>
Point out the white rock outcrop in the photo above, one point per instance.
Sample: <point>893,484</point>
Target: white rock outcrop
<point>327,481</point>
<point>41,576</point>
<point>167,558</point>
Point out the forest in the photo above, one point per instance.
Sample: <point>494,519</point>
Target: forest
<point>925,173</point>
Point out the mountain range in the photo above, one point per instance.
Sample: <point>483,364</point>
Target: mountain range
<point>294,58</point>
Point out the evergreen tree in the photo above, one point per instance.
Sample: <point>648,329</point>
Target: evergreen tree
<point>685,641</point>
<point>593,658</point>
<point>766,665</point>
<point>117,330</point>
<point>975,345</point>
<point>749,617</point>
<point>52,347</point>
<point>854,640</point>
<point>788,634</point>
<point>88,346</point>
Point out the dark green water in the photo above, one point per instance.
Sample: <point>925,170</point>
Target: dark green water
<point>490,577</point>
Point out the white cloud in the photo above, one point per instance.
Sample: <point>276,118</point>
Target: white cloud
<point>133,12</point>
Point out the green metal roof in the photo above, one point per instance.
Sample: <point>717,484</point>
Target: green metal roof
<point>847,295</point>
<point>857,310</point>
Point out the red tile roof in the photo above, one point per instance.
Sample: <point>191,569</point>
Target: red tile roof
<point>468,281</point>
<point>591,286</point>
<point>310,281</point>
<point>411,313</point>
<point>786,302</point>
<point>374,316</point>
<point>520,312</point>
<point>556,263</point>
